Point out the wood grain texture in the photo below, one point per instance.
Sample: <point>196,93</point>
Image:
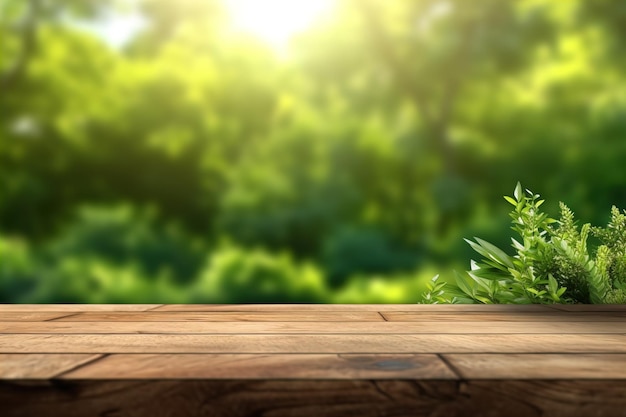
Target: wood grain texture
<point>539,366</point>
<point>590,308</point>
<point>556,316</point>
<point>31,315</point>
<point>227,316</point>
<point>314,343</point>
<point>272,366</point>
<point>554,398</point>
<point>38,365</point>
<point>313,360</point>
<point>313,398</point>
<point>226,398</point>
<point>322,327</point>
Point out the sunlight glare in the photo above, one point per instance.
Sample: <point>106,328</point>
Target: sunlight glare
<point>275,21</point>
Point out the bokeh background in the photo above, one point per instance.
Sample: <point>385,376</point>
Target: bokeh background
<point>293,151</point>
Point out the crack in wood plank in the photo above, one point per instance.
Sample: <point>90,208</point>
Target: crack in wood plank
<point>456,371</point>
<point>88,361</point>
<point>62,317</point>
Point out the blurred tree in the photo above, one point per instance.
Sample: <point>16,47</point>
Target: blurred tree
<point>389,131</point>
<point>429,53</point>
<point>19,19</point>
<point>353,251</point>
<point>127,235</point>
<point>255,276</point>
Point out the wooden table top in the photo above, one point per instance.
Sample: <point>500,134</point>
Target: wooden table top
<point>307,341</point>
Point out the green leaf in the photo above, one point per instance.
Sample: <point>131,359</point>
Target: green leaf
<point>477,248</point>
<point>479,282</point>
<point>484,300</point>
<point>552,284</point>
<point>495,253</point>
<point>463,285</point>
<point>517,245</point>
<point>518,192</point>
<point>489,274</point>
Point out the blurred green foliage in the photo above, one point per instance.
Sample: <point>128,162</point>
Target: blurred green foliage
<point>193,162</point>
<point>255,276</point>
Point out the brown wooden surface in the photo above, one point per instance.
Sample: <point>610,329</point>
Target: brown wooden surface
<point>389,327</point>
<point>312,398</point>
<point>591,316</point>
<point>313,343</point>
<point>430,308</point>
<point>258,366</point>
<point>539,366</point>
<point>41,365</point>
<point>229,316</point>
<point>312,360</point>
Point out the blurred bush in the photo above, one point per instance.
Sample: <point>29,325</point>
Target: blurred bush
<point>364,152</point>
<point>87,279</point>
<point>235,275</point>
<point>366,251</point>
<point>18,272</point>
<point>124,234</point>
<point>382,289</point>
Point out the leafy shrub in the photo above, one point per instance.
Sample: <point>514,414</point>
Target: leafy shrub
<point>95,280</point>
<point>550,265</point>
<point>353,251</point>
<point>122,235</point>
<point>18,274</point>
<point>235,275</point>
<point>381,289</point>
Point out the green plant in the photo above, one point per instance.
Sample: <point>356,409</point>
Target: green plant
<point>550,264</point>
<point>124,234</point>
<point>18,271</point>
<point>436,293</point>
<point>611,258</point>
<point>237,275</point>
<point>365,251</point>
<point>90,279</point>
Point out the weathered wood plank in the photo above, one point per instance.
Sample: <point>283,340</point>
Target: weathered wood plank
<point>30,315</point>
<point>40,365</point>
<point>226,398</point>
<point>590,308</point>
<point>305,360</point>
<point>333,343</point>
<point>76,307</point>
<point>554,398</point>
<point>227,316</point>
<point>268,366</point>
<point>242,327</point>
<point>353,307</point>
<point>556,316</point>
<point>539,366</point>
<point>313,398</point>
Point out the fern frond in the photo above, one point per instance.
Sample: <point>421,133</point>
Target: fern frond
<point>599,280</point>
